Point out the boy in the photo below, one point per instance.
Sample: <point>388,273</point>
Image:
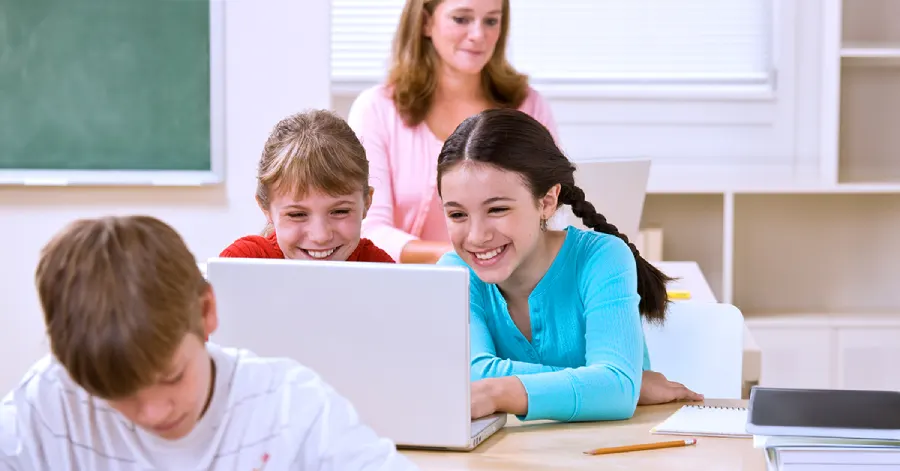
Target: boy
<point>133,384</point>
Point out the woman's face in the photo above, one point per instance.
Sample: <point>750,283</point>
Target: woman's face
<point>465,32</point>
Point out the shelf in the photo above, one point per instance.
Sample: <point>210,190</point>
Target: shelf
<point>829,253</point>
<point>862,319</point>
<point>667,179</point>
<point>871,49</point>
<point>676,179</point>
<point>869,149</point>
<point>692,227</point>
<point>871,54</point>
<point>870,21</point>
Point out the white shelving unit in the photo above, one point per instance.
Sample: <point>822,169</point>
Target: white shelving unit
<point>809,252</point>
<point>813,261</point>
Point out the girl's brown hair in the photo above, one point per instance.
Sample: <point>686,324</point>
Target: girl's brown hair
<point>514,141</point>
<point>413,72</point>
<point>312,150</point>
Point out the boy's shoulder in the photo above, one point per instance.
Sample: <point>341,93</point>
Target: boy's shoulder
<point>39,406</point>
<point>46,382</point>
<point>256,373</point>
<point>259,382</point>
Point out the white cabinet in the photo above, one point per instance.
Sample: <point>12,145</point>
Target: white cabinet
<point>828,351</point>
<point>866,357</point>
<point>794,357</point>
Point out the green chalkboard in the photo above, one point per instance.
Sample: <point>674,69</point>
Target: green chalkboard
<point>105,85</point>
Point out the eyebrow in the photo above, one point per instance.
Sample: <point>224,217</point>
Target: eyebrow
<point>469,10</point>
<point>495,199</point>
<point>300,206</point>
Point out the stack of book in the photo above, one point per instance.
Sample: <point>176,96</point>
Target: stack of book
<point>827,430</point>
<point>829,454</point>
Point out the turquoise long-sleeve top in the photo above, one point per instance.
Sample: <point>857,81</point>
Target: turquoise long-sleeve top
<point>587,352</point>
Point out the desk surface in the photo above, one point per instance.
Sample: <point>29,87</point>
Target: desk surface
<point>554,446</point>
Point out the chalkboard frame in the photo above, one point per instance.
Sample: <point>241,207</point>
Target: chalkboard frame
<point>216,172</point>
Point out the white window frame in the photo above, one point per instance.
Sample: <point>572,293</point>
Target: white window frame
<point>780,39</point>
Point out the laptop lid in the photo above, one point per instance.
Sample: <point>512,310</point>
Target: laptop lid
<point>617,188</point>
<point>393,339</point>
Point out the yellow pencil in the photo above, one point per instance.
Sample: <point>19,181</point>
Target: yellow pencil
<point>642,446</point>
<point>679,294</point>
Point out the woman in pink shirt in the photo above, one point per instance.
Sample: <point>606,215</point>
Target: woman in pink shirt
<point>449,63</point>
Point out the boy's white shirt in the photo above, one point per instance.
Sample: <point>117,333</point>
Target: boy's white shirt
<point>261,407</point>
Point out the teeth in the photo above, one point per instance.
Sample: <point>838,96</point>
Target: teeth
<point>489,255</point>
<point>320,253</point>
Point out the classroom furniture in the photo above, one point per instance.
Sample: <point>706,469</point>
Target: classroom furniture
<point>690,278</point>
<point>112,93</point>
<point>543,445</point>
<point>701,346</point>
<point>810,259</point>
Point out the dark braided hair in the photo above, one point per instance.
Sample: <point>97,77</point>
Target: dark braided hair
<point>514,141</point>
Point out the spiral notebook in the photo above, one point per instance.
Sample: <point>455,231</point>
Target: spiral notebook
<point>713,421</point>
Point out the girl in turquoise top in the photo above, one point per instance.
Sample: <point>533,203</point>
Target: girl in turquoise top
<point>555,315</point>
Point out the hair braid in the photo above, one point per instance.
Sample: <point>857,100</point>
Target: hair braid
<point>650,278</point>
<point>588,214</point>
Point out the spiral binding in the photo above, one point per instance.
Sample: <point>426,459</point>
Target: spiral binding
<point>704,406</point>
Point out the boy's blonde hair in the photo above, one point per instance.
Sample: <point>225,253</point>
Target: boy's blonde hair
<point>119,295</point>
<point>312,150</point>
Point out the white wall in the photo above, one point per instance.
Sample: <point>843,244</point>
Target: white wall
<point>711,138</point>
<point>272,70</point>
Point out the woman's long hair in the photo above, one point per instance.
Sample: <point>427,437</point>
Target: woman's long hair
<point>414,63</point>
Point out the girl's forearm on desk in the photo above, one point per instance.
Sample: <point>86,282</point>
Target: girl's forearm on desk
<point>486,365</point>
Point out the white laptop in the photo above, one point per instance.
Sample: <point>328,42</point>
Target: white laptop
<point>393,339</point>
<point>617,188</point>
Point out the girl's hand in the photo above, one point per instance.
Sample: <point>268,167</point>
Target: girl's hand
<point>484,400</point>
<point>504,394</point>
<point>656,389</point>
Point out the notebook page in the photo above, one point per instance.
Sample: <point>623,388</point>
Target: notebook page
<point>713,421</point>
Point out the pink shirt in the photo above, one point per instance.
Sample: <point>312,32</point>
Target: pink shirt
<point>403,170</point>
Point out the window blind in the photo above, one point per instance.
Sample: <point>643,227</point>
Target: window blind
<point>590,41</point>
<point>361,35</point>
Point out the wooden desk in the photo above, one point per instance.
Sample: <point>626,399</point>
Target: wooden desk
<point>555,446</point>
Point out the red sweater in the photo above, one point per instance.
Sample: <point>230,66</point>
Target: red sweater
<point>255,246</point>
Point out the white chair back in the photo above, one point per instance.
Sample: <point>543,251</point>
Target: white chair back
<point>701,346</point>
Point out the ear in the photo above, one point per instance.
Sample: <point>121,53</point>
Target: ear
<point>550,201</point>
<point>427,24</point>
<point>368,201</point>
<point>209,313</point>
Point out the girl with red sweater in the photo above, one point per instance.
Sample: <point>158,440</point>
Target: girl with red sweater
<point>313,188</point>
